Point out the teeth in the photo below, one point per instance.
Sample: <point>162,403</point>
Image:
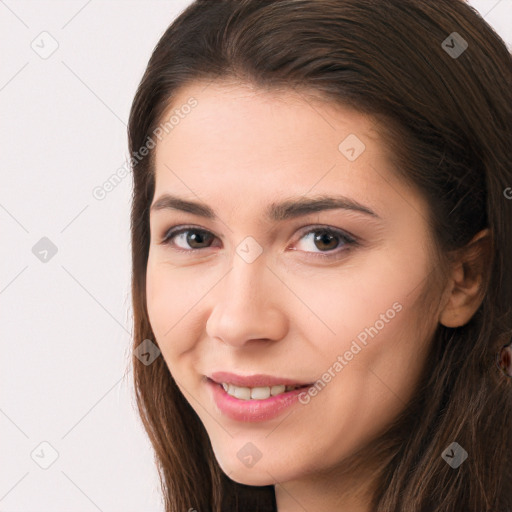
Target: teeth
<point>277,390</point>
<point>258,393</point>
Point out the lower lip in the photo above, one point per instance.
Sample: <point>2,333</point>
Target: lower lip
<point>253,410</point>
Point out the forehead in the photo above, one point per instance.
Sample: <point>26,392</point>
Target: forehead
<point>245,144</point>
<point>241,118</point>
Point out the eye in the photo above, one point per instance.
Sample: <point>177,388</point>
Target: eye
<point>329,241</point>
<point>187,236</point>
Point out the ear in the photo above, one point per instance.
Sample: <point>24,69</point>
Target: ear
<point>466,287</point>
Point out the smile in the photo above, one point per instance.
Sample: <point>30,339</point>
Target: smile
<point>254,401</point>
<point>257,393</point>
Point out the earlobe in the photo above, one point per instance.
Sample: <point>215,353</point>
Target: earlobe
<point>467,284</point>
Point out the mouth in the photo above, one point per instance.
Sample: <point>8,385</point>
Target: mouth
<point>257,393</point>
<point>255,387</point>
<point>256,403</point>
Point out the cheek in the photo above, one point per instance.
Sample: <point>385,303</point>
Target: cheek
<point>373,298</point>
<point>377,324</point>
<point>157,297</point>
<point>173,305</point>
<point>164,304</point>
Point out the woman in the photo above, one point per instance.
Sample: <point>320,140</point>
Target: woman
<point>321,254</point>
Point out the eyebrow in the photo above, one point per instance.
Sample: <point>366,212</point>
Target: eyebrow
<point>277,212</point>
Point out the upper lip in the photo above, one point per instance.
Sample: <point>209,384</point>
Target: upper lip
<point>252,381</point>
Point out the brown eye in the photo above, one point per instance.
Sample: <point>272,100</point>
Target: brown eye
<point>188,239</point>
<point>196,239</point>
<point>326,242</point>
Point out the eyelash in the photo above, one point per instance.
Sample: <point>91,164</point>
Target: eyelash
<point>348,240</point>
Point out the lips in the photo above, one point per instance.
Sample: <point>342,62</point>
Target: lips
<point>253,381</point>
<point>245,408</point>
<point>253,398</point>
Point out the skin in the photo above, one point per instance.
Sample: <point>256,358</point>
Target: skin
<point>291,313</point>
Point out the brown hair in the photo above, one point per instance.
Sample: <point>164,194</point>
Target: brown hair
<point>447,120</point>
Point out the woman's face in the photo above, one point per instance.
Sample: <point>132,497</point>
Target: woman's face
<point>270,283</point>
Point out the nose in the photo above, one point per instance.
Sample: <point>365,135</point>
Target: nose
<point>248,305</point>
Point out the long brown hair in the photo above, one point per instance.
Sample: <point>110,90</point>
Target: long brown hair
<point>447,120</point>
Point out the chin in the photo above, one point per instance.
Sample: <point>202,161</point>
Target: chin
<point>255,475</point>
<point>247,477</point>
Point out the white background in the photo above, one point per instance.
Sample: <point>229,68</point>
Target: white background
<point>66,323</point>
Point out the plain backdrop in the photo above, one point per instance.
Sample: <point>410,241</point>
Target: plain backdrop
<point>70,439</point>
